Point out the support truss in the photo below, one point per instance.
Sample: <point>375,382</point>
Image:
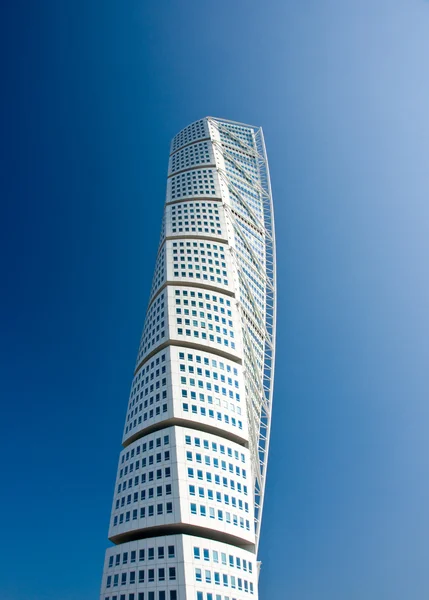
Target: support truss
<point>259,365</point>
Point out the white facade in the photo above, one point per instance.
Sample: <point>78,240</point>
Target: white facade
<point>189,490</point>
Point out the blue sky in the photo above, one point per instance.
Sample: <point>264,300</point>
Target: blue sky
<point>92,92</point>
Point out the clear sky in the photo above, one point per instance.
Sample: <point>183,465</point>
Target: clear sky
<point>92,92</point>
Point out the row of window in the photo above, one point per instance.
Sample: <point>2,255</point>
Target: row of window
<point>167,595</point>
<point>156,385</point>
<point>159,272</point>
<point>220,515</point>
<point>190,133</point>
<point>153,386</point>
<point>210,248</point>
<point>161,595</point>
<point>133,577</point>
<point>153,330</point>
<point>226,499</point>
<point>152,371</point>
<point>141,479</point>
<point>142,555</point>
<point>147,416</point>
<point>236,135</point>
<point>209,326</point>
<point>200,295</point>
<point>241,168</point>
<point>210,596</point>
<point>213,278</point>
<point>215,447</point>
<point>159,457</point>
<point>223,464</point>
<point>210,387</point>
<point>210,413</point>
<point>194,207</point>
<point>141,497</point>
<point>145,447</point>
<point>217,479</point>
<point>191,155</point>
<point>195,229</point>
<point>149,367</point>
<point>216,364</point>
<point>193,182</point>
<point>145,404</point>
<point>227,580</point>
<point>134,514</point>
<point>222,558</point>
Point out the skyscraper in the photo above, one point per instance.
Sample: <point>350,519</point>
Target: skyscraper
<point>189,491</point>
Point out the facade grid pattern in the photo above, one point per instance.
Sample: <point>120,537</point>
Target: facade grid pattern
<point>190,482</point>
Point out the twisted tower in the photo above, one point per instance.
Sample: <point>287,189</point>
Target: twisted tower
<point>190,484</point>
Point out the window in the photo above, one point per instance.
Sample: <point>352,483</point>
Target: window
<point>171,553</point>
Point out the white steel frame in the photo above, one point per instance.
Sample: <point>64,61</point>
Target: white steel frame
<point>261,397</point>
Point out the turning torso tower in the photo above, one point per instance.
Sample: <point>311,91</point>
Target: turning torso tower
<point>189,490</point>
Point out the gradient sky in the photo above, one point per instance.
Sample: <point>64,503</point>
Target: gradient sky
<point>92,93</point>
